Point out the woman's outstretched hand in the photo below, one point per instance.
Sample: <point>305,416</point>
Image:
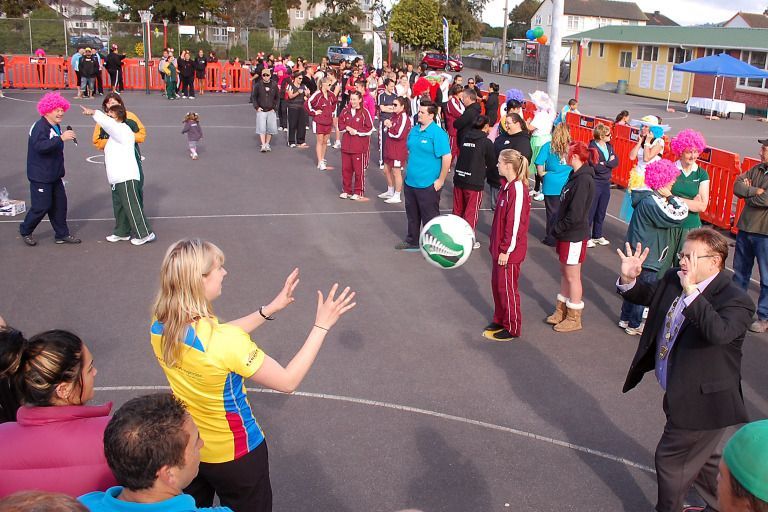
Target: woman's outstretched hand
<point>285,297</point>
<point>330,308</point>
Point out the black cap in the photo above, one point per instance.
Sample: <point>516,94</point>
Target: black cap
<point>764,142</point>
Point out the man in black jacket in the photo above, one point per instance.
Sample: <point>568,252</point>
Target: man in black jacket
<point>265,100</point>
<point>89,68</point>
<point>114,65</point>
<point>696,324</point>
<point>471,112</point>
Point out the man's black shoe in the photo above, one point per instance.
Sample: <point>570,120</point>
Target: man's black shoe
<point>69,239</point>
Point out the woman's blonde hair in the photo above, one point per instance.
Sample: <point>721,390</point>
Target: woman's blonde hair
<point>600,131</point>
<point>561,138</point>
<point>181,300</point>
<point>518,162</point>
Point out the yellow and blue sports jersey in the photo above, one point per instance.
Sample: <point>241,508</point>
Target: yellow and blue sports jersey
<point>216,360</point>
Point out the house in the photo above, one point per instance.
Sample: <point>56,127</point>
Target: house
<point>298,17</point>
<point>748,20</point>
<point>644,56</point>
<point>581,15</point>
<point>78,13</point>
<point>655,18</point>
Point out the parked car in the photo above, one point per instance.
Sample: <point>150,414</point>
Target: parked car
<point>337,54</point>
<point>438,60</point>
<point>87,41</point>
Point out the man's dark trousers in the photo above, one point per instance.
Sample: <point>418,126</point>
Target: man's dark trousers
<point>47,199</point>
<point>421,206</point>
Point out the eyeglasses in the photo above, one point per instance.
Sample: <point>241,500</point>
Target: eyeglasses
<point>682,256</point>
<point>266,75</point>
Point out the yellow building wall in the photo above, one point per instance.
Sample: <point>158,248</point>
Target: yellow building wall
<point>649,79</point>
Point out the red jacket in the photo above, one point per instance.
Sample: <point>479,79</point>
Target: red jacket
<point>453,111</point>
<point>396,147</point>
<point>56,449</point>
<point>361,121</point>
<point>319,103</point>
<point>509,232</point>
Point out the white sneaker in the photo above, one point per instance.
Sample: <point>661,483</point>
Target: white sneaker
<point>386,195</point>
<point>381,167</point>
<point>267,147</point>
<point>531,192</point>
<point>115,238</point>
<point>322,165</point>
<point>263,148</point>
<point>602,241</point>
<point>141,241</point>
<point>337,145</point>
<point>590,243</point>
<point>344,195</point>
<point>476,245</point>
<point>538,196</point>
<point>353,197</point>
<point>394,199</point>
<point>328,143</point>
<point>623,324</point>
<point>292,145</point>
<point>634,331</point>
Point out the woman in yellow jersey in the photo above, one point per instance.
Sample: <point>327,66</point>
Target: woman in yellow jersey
<point>207,362</point>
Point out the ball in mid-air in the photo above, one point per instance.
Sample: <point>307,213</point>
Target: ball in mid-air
<point>446,241</point>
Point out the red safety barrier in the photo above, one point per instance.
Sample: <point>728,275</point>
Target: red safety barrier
<point>484,96</point>
<point>624,138</point>
<point>746,165</point>
<point>723,167</point>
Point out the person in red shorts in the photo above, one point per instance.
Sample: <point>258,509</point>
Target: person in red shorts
<point>453,111</point>
<point>509,243</point>
<point>476,156</point>
<point>571,232</point>
<point>357,124</point>
<point>396,149</point>
<point>321,106</point>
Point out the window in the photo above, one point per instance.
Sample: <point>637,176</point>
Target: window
<point>678,55</point>
<point>537,20</point>
<point>759,60</point>
<point>714,51</point>
<point>634,22</point>
<point>299,14</point>
<point>549,19</point>
<point>573,22</point>
<point>625,60</point>
<point>589,49</point>
<point>648,53</point>
<point>602,50</point>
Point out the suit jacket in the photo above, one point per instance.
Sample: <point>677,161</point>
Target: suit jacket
<point>704,372</point>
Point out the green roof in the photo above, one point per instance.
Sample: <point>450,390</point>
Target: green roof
<point>699,37</point>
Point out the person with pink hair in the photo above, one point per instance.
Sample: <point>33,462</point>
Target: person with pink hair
<point>691,186</point>
<point>657,212</point>
<point>45,170</point>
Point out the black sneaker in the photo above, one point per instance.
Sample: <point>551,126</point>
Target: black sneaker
<point>405,246</point>
<point>29,240</point>
<point>493,327</point>
<point>69,239</point>
<point>502,335</point>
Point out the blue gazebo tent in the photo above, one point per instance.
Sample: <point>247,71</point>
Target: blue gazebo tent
<point>721,65</point>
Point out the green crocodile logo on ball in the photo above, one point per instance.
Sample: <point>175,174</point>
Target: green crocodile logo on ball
<point>441,248</point>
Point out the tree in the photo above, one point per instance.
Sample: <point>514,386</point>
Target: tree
<point>418,23</point>
<point>339,23</point>
<point>18,8</point>
<point>102,13</point>
<point>280,15</point>
<point>466,14</point>
<point>489,31</point>
<point>173,10</point>
<point>243,13</point>
<point>520,18</point>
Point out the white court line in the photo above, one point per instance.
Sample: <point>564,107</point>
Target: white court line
<point>425,412</point>
<point>243,215</point>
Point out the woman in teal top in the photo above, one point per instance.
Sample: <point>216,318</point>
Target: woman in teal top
<point>692,186</point>
<point>550,164</point>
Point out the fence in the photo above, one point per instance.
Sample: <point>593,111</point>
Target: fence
<point>59,37</point>
<point>722,166</point>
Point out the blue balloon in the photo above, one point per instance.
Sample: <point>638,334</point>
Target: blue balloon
<point>530,35</point>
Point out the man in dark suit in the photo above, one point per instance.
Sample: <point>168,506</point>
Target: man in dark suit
<point>692,340</point>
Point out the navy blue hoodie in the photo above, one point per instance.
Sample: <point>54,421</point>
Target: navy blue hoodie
<point>45,153</point>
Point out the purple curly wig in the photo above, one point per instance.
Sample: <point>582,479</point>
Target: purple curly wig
<point>515,94</point>
<point>50,102</point>
<point>661,173</point>
<point>686,140</point>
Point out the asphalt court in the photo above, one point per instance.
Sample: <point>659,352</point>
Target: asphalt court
<point>407,406</point>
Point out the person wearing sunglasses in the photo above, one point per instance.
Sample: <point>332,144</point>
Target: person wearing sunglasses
<point>697,321</point>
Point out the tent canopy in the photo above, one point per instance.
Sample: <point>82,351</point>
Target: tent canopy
<point>721,65</point>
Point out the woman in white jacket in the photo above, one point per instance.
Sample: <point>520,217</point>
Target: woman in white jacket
<point>123,175</point>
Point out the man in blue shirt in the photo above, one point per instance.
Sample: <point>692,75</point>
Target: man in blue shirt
<point>152,447</point>
<point>429,159</point>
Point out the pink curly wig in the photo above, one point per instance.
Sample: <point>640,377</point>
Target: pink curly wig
<point>686,140</point>
<point>661,173</point>
<point>50,102</point>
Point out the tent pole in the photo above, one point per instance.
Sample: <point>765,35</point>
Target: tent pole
<point>712,105</point>
<point>669,90</point>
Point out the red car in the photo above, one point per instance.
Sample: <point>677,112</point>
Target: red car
<point>437,60</point>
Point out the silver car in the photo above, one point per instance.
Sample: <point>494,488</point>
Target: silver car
<point>337,54</point>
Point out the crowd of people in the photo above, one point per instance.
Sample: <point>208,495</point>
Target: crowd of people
<point>690,314</point>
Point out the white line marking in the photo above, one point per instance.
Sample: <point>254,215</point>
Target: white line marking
<point>95,159</point>
<point>425,412</point>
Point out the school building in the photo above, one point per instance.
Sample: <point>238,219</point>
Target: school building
<point>642,58</point>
